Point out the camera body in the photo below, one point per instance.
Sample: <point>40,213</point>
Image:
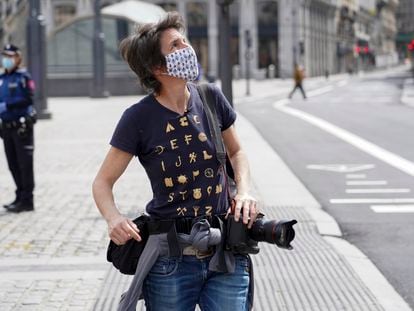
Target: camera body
<point>241,240</point>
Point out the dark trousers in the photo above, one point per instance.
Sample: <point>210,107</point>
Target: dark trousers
<point>300,87</point>
<point>19,147</point>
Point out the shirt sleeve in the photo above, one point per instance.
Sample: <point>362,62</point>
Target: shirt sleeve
<point>225,112</point>
<point>126,136</point>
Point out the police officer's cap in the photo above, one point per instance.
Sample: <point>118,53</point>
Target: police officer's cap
<point>10,50</point>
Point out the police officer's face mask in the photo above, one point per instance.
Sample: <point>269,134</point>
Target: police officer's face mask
<point>182,64</point>
<point>8,63</point>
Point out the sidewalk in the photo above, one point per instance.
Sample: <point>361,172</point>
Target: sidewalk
<point>54,258</point>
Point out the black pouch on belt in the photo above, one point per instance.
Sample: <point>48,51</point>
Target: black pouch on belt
<point>125,257</point>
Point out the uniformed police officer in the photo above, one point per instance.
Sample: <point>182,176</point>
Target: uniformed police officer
<point>17,117</point>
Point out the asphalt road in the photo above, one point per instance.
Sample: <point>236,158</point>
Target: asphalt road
<point>359,165</point>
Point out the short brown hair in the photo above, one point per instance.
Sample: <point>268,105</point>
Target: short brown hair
<point>142,50</point>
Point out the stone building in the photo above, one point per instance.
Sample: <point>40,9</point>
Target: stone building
<point>385,33</point>
<point>13,15</point>
<point>267,36</point>
<point>405,26</point>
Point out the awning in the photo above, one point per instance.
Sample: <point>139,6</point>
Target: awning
<point>136,11</point>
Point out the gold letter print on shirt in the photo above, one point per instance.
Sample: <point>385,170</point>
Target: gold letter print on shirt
<point>188,138</point>
<point>202,137</point>
<point>183,194</point>
<point>169,128</point>
<point>208,210</point>
<point>159,149</point>
<point>171,197</point>
<point>193,157</point>
<point>168,182</point>
<point>173,143</point>
<point>178,163</point>
<point>197,193</point>
<point>196,120</point>
<point>196,208</point>
<point>206,155</point>
<point>183,121</point>
<point>182,179</point>
<point>219,188</point>
<point>181,210</point>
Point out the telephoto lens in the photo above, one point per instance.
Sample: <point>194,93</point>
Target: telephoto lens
<point>276,232</point>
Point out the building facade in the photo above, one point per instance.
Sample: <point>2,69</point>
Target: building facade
<point>13,17</point>
<point>267,36</point>
<point>405,27</point>
<point>385,33</point>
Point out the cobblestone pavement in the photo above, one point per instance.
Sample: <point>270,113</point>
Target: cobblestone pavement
<point>53,258</point>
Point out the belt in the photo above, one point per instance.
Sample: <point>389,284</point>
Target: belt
<point>182,225</point>
<point>10,124</point>
<point>192,251</point>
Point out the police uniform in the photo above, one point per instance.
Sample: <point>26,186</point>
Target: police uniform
<point>17,118</point>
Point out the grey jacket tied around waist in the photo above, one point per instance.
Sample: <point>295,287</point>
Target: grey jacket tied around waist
<point>201,237</point>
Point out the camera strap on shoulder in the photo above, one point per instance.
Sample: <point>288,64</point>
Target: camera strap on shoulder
<point>215,132</point>
<point>209,104</point>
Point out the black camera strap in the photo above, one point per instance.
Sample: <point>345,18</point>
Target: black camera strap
<point>215,132</point>
<point>209,104</point>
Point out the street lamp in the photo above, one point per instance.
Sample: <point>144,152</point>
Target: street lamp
<point>36,57</point>
<point>98,80</point>
<point>224,49</point>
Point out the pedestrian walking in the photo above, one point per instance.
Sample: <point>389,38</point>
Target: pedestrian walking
<point>169,134</point>
<point>17,117</point>
<point>298,76</point>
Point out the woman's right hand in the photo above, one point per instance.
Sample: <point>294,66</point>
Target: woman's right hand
<point>122,229</point>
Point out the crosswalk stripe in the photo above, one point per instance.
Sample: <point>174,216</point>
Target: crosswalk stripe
<point>366,182</point>
<point>356,176</point>
<point>371,201</point>
<point>393,208</point>
<point>378,190</point>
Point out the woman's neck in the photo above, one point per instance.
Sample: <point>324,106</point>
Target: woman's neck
<point>175,97</point>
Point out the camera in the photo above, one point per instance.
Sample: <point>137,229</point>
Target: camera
<point>242,240</point>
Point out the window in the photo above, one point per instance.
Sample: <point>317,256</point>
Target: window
<point>168,6</point>
<point>63,13</point>
<point>197,14</point>
<point>267,13</point>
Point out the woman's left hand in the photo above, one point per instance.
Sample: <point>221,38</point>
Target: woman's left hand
<point>245,206</point>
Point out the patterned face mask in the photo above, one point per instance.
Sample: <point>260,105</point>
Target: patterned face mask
<point>182,64</point>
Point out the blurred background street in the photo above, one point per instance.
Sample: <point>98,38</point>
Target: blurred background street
<point>340,161</point>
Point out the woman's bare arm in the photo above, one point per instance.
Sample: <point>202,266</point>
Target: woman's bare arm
<point>120,228</point>
<point>240,164</point>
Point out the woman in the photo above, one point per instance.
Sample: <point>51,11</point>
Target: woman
<point>168,132</point>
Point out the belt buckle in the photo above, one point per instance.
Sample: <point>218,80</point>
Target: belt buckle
<point>201,255</point>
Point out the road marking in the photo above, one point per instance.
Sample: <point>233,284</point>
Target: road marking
<point>342,83</point>
<point>356,176</point>
<point>378,190</point>
<point>393,208</point>
<point>366,182</point>
<point>370,201</point>
<point>364,145</point>
<point>320,91</point>
<point>341,168</point>
<point>282,102</point>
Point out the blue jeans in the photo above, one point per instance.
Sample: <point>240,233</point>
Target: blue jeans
<point>181,284</point>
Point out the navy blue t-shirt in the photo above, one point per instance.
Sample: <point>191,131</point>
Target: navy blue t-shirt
<point>178,154</point>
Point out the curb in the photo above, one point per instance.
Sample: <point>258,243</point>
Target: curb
<point>370,275</point>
